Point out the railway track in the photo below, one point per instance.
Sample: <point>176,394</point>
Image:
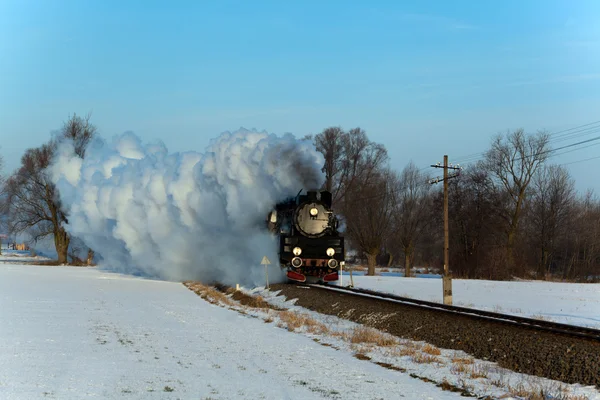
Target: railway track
<point>556,351</point>
<point>523,322</point>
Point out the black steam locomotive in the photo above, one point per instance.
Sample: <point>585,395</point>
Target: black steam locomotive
<point>310,245</point>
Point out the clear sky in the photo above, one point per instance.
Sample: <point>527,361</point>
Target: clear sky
<point>423,77</point>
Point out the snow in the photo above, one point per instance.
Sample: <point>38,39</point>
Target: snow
<point>570,303</point>
<point>74,333</point>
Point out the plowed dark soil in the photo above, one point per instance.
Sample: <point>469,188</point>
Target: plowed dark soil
<point>529,351</point>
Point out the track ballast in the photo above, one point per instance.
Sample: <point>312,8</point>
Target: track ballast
<point>526,323</point>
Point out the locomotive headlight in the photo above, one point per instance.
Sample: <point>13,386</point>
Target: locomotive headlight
<point>314,211</point>
<point>330,252</point>
<point>297,251</point>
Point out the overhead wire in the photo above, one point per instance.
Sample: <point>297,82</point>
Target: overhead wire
<point>555,137</point>
<point>579,161</point>
<point>566,134</point>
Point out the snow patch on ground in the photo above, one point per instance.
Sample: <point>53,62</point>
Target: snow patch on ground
<point>73,333</point>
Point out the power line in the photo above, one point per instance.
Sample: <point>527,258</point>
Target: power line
<point>570,133</point>
<point>575,128</point>
<point>580,148</point>
<point>559,148</point>
<point>558,136</point>
<point>577,134</point>
<point>578,161</point>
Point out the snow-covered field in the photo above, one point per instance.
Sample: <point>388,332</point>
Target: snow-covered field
<point>570,303</point>
<point>74,333</point>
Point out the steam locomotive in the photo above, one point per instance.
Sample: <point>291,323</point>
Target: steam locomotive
<point>310,246</point>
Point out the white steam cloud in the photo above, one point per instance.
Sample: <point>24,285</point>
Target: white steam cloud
<point>184,216</point>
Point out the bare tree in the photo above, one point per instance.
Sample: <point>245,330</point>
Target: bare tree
<point>32,201</point>
<point>412,203</point>
<point>581,248</point>
<point>330,144</point>
<point>475,225</point>
<point>80,131</point>
<point>514,160</point>
<point>350,159</point>
<point>552,200</point>
<point>368,214</point>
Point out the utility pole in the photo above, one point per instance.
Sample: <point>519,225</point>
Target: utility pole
<point>447,278</point>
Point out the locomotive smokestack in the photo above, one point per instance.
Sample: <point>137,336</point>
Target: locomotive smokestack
<point>326,198</point>
<point>312,195</point>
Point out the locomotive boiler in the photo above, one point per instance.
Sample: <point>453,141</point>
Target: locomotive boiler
<point>311,247</point>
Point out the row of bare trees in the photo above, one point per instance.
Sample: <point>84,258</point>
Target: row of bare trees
<point>511,214</point>
<point>376,203</point>
<point>30,202</point>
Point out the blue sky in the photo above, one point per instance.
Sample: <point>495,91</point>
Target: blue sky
<point>424,77</point>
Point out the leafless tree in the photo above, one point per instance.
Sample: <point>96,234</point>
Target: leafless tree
<point>32,201</point>
<point>552,200</point>
<point>582,246</point>
<point>411,206</point>
<point>513,161</point>
<point>80,131</point>
<point>330,144</point>
<point>474,222</point>
<point>350,159</point>
<point>368,214</point>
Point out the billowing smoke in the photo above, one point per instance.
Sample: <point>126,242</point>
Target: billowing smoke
<point>184,216</point>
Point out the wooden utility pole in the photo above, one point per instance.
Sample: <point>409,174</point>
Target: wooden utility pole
<point>447,278</point>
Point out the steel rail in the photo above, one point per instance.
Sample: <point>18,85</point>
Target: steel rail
<point>524,322</point>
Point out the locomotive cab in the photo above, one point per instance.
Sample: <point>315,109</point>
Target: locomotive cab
<point>310,245</point>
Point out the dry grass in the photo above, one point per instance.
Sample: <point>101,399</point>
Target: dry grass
<point>345,336</point>
<point>478,371</point>
<point>423,358</point>
<point>372,336</point>
<point>403,352</point>
<point>540,317</point>
<point>467,366</point>
<point>537,391</point>
<point>405,348</point>
<point>209,294</point>
<point>294,320</point>
<point>250,301</point>
<point>459,369</point>
<point>462,360</point>
<point>362,356</point>
<point>432,350</point>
